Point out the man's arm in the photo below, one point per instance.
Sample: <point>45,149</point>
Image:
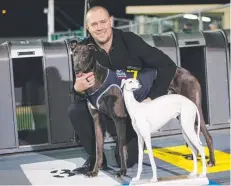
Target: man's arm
<point>154,58</point>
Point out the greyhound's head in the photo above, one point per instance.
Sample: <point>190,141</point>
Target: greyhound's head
<point>83,58</point>
<point>130,84</point>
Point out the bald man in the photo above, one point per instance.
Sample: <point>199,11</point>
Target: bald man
<point>116,50</point>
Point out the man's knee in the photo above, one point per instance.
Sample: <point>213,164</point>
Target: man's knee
<point>76,108</point>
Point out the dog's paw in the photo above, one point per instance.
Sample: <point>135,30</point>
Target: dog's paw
<point>90,174</point>
<point>202,175</point>
<point>80,170</point>
<point>121,173</point>
<point>210,163</point>
<point>135,179</point>
<point>192,174</point>
<point>153,180</point>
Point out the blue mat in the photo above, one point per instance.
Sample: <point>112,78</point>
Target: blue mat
<point>213,183</point>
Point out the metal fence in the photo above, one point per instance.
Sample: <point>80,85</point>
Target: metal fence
<point>200,19</point>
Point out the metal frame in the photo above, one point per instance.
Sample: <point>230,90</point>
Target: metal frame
<point>227,65</point>
<point>5,45</point>
<point>13,95</point>
<point>35,147</point>
<point>63,71</point>
<point>228,69</point>
<point>177,44</point>
<point>179,63</point>
<point>46,95</point>
<point>210,127</point>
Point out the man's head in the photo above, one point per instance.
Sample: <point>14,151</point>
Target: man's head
<point>213,26</point>
<point>188,26</point>
<point>99,24</point>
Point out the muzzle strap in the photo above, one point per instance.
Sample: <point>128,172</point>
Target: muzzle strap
<point>135,73</point>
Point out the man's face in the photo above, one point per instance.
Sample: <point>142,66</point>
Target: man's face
<point>99,25</point>
<point>213,27</point>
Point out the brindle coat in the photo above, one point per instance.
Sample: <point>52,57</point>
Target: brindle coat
<point>186,84</point>
<point>112,104</point>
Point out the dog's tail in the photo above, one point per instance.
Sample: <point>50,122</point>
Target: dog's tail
<point>198,124</point>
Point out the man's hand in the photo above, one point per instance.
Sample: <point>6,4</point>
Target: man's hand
<point>146,100</point>
<point>84,81</point>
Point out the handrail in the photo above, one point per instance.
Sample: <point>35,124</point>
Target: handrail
<point>196,12</point>
<point>175,16</point>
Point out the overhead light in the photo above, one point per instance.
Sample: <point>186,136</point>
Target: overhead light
<point>3,12</point>
<point>206,19</point>
<point>190,16</point>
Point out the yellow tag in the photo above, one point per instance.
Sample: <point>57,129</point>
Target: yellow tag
<point>135,73</point>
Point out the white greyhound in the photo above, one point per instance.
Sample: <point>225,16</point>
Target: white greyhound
<point>148,117</point>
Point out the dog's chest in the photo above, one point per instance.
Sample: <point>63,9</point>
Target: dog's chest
<point>113,80</point>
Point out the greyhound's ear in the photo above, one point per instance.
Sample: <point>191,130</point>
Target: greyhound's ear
<point>77,48</point>
<point>122,83</point>
<point>92,47</point>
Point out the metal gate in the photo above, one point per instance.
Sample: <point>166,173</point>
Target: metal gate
<point>148,38</point>
<point>200,53</point>
<point>218,78</point>
<point>204,55</point>
<point>58,72</point>
<point>34,104</point>
<point>8,134</point>
<point>164,42</point>
<point>226,34</point>
<point>167,44</point>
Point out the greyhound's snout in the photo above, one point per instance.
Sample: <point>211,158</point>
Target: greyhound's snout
<point>78,72</point>
<point>77,69</point>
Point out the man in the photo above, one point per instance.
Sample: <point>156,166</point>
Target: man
<point>119,50</point>
<point>213,26</point>
<point>187,27</point>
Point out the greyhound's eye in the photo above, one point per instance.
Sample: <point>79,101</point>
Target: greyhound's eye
<point>130,81</point>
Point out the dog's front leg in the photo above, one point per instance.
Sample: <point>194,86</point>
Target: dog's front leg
<point>120,119</point>
<point>121,134</point>
<point>112,103</point>
<point>141,153</point>
<point>99,141</point>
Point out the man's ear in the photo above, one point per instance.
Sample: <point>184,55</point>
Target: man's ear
<point>112,21</point>
<point>86,26</point>
<point>77,48</point>
<point>92,47</point>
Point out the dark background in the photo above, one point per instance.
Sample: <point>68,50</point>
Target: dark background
<point>26,17</point>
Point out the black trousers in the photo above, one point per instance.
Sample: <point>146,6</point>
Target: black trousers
<point>83,125</point>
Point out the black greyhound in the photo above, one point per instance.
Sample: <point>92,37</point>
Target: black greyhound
<point>111,103</point>
<point>186,84</point>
